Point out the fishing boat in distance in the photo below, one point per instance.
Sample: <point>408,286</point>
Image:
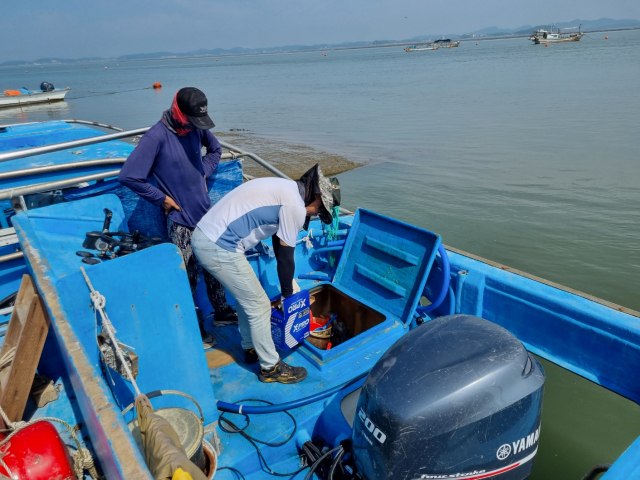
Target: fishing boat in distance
<point>442,43</point>
<point>24,96</point>
<point>549,36</point>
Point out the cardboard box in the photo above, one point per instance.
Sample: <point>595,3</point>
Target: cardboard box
<point>290,325</point>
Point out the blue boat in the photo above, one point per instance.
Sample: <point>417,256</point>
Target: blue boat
<point>435,378</point>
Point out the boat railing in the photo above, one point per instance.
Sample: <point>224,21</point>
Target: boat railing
<point>233,153</point>
<point>18,193</point>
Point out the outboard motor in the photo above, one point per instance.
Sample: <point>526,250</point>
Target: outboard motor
<point>458,397</point>
<point>46,87</point>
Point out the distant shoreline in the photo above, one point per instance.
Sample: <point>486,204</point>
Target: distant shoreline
<point>279,52</point>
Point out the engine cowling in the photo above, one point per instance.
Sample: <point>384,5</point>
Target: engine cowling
<point>457,397</point>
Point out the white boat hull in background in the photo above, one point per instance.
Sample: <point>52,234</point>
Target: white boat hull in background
<point>36,97</point>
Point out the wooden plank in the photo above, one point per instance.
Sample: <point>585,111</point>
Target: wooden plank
<point>26,333</point>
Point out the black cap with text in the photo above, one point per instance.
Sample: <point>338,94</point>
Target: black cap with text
<point>193,103</point>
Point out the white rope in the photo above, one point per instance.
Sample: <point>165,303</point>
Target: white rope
<point>307,240</point>
<point>99,302</point>
<point>6,468</point>
<point>7,358</point>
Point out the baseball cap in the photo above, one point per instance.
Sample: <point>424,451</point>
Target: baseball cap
<point>193,103</point>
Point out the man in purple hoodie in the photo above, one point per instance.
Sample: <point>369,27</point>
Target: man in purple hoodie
<point>171,152</point>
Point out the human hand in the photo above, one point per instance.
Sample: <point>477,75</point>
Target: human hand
<point>168,204</point>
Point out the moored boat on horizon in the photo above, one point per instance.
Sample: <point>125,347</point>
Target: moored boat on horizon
<point>441,43</point>
<point>549,36</point>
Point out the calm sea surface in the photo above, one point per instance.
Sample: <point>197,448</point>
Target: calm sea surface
<point>526,155</point>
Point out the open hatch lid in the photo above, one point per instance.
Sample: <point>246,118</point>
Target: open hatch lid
<point>385,262</point>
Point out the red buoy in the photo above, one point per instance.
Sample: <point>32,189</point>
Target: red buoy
<point>546,44</point>
<point>37,453</point>
<point>606,37</point>
<point>157,85</point>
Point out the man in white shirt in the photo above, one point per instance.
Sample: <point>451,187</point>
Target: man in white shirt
<point>255,211</point>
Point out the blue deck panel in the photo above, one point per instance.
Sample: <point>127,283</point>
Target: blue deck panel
<point>627,467</point>
<point>29,135</point>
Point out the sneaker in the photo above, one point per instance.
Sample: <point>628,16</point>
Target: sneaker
<point>228,316</point>
<point>283,373</point>
<point>207,340</point>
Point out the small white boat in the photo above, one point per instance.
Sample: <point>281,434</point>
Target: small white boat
<point>13,98</point>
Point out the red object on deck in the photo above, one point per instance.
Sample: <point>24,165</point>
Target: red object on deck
<point>317,322</point>
<point>37,453</point>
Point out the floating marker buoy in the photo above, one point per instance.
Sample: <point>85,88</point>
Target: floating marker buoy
<point>157,85</point>
<point>85,66</point>
<point>106,68</point>
<point>216,59</point>
<point>476,43</point>
<point>606,37</point>
<point>546,44</point>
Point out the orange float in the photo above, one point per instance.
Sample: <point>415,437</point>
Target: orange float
<point>157,85</point>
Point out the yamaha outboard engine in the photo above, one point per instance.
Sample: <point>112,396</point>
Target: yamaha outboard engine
<point>46,87</point>
<point>458,397</point>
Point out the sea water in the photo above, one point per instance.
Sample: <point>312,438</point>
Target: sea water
<point>524,154</point>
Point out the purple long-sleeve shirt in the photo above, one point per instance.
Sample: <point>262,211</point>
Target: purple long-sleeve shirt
<point>176,162</point>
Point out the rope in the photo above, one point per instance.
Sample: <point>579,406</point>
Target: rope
<point>6,469</point>
<point>7,358</point>
<point>99,302</point>
<point>307,240</point>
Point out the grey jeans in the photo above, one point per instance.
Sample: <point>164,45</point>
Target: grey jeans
<point>254,308</point>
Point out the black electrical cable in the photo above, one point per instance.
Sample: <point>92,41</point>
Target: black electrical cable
<point>335,463</point>
<point>317,462</point>
<point>313,454</point>
<point>252,440</point>
<point>233,470</point>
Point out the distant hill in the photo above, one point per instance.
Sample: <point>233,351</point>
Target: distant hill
<point>488,32</point>
<point>601,24</point>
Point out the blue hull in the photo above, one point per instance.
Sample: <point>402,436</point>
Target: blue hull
<point>150,303</point>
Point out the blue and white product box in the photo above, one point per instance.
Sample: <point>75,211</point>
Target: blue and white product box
<point>290,326</point>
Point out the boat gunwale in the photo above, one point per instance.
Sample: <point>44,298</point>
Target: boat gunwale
<point>491,263</point>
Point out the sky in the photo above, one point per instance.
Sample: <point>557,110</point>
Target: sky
<point>33,29</point>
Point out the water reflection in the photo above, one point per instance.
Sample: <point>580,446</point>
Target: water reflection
<point>34,113</point>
